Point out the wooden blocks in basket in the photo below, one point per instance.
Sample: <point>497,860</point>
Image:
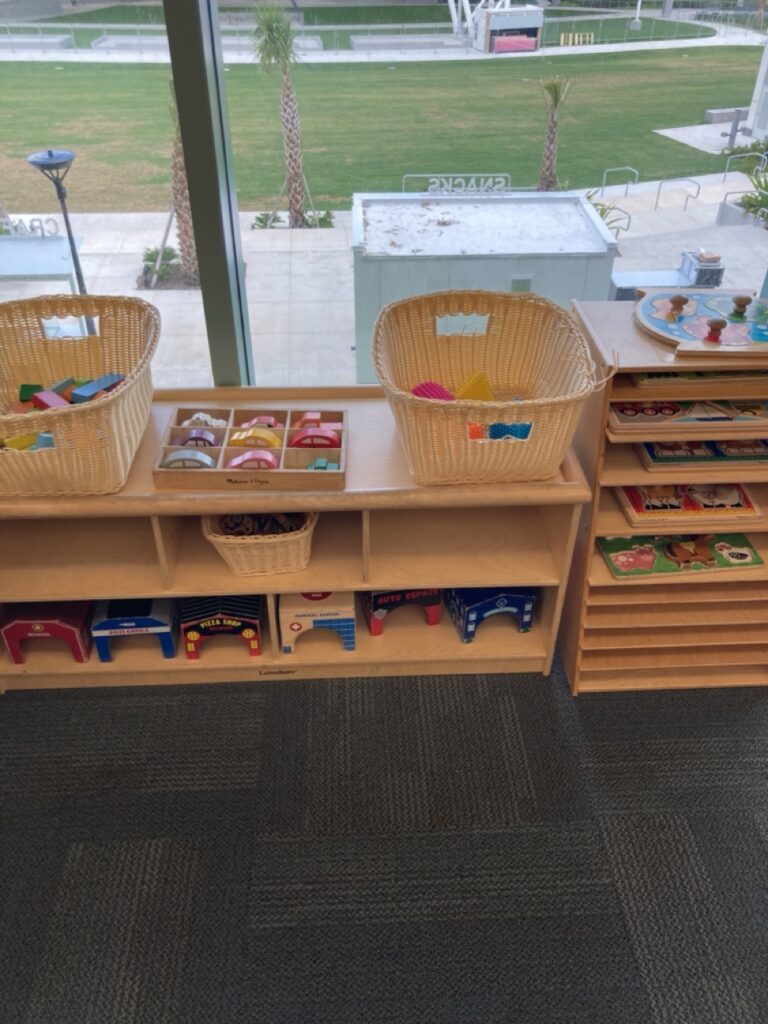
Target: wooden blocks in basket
<point>270,449</point>
<point>82,447</point>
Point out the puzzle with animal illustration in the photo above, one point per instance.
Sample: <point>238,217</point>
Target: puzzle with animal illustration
<point>660,503</point>
<point>683,553</point>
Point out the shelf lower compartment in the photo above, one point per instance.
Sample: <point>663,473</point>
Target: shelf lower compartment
<point>674,657</point>
<point>686,615</point>
<point>652,594</point>
<point>467,548</point>
<point>672,679</point>
<point>69,559</point>
<point>699,636</point>
<point>406,646</point>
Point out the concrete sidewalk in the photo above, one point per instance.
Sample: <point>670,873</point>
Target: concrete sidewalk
<point>300,288</point>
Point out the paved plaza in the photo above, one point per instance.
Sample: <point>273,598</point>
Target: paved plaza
<point>299,283</point>
<point>300,288</point>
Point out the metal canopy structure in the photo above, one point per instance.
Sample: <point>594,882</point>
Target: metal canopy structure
<point>471,20</point>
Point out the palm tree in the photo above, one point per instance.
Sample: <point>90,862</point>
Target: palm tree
<point>273,39</point>
<point>6,227</point>
<point>181,208</point>
<point>555,93</point>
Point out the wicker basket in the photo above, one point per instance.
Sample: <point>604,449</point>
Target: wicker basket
<point>94,442</point>
<point>260,555</point>
<point>536,360</point>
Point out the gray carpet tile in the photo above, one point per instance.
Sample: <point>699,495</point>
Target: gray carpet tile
<point>454,850</point>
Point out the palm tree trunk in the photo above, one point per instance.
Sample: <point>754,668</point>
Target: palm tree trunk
<point>289,115</point>
<point>5,220</point>
<point>184,230</point>
<point>548,175</point>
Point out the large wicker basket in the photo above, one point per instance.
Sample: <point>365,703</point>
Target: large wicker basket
<point>536,360</point>
<point>260,555</point>
<point>94,442</point>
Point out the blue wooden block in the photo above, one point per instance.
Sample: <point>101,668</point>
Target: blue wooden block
<point>86,391</point>
<point>44,440</point>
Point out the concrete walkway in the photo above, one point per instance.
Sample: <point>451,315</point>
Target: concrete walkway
<point>300,289</point>
<point>299,283</point>
<point>152,53</point>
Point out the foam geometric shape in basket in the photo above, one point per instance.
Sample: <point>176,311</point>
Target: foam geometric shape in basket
<point>536,360</point>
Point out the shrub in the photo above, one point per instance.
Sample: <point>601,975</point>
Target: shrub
<point>756,202</point>
<point>169,259</point>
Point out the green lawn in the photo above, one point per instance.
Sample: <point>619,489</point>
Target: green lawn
<point>365,125</point>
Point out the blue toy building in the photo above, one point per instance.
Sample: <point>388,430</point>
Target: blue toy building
<point>469,606</point>
<point>132,618</point>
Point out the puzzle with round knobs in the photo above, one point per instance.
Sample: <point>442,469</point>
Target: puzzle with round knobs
<point>716,324</point>
<point>267,449</point>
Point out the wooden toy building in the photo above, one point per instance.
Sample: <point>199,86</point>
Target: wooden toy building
<point>206,617</point>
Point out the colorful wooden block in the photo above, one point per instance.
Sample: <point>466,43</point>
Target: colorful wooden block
<point>90,390</point>
<point>21,442</point>
<point>315,437</point>
<point>189,458</point>
<point>49,400</point>
<point>69,621</point>
<point>469,606</point>
<point>158,616</point>
<point>62,386</point>
<point>27,390</point>
<point>205,617</point>
<point>333,611</point>
<point>377,604</point>
<point>254,458</point>
<point>43,440</point>
<point>307,419</point>
<point>255,437</point>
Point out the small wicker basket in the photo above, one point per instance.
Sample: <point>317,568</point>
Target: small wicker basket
<point>94,442</point>
<point>536,360</point>
<point>260,555</point>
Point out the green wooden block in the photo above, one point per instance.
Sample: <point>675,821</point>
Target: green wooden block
<point>27,390</point>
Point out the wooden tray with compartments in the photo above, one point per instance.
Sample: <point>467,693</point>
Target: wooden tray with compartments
<point>309,449</point>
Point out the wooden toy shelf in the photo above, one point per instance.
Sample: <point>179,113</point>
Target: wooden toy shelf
<point>381,531</point>
<point>659,632</point>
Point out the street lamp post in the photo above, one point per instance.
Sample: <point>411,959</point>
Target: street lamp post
<point>54,164</point>
<point>637,23</point>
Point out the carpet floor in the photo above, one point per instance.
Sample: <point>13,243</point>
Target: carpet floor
<point>453,850</point>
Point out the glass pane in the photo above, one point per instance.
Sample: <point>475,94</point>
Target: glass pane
<point>96,82</point>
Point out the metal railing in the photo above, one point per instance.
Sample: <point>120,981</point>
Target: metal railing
<point>668,181</point>
<point>609,170</point>
<point>760,166</point>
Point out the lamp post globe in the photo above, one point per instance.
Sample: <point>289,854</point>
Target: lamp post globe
<point>55,164</point>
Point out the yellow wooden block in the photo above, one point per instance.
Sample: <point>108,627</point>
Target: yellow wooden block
<point>255,437</point>
<point>21,441</point>
<point>477,388</point>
